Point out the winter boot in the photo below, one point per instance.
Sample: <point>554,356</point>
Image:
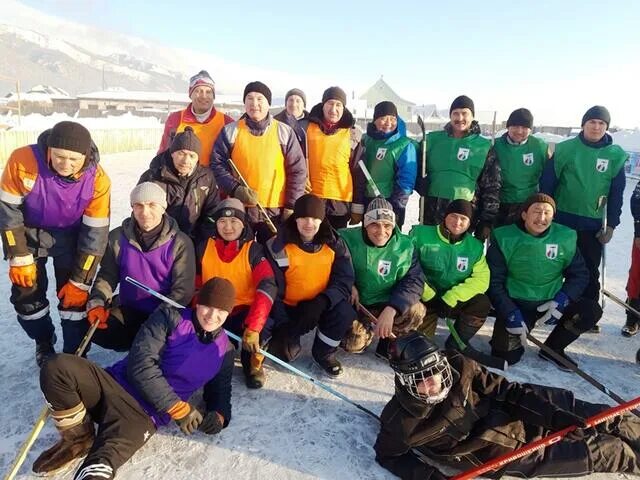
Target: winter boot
<point>325,357</point>
<point>466,326</point>
<point>254,376</point>
<point>45,350</point>
<point>75,442</point>
<point>632,325</point>
<point>382,350</point>
<point>285,345</point>
<point>558,340</point>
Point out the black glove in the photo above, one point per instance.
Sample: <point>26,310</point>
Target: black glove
<point>189,423</point>
<point>308,313</point>
<point>482,231</point>
<point>563,419</point>
<point>212,423</point>
<point>441,308</point>
<point>432,473</point>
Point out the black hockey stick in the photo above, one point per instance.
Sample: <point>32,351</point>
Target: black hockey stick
<point>472,353</point>
<point>621,302</point>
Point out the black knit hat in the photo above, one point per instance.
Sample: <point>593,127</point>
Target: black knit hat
<point>597,112</point>
<point>70,136</point>
<point>309,206</point>
<point>520,117</point>
<point>539,198</point>
<point>219,293</point>
<point>383,109</point>
<point>460,206</point>
<point>334,93</point>
<point>257,87</point>
<point>298,92</point>
<point>462,102</point>
<point>186,140</point>
<point>229,207</point>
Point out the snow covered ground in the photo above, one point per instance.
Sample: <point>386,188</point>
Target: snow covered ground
<point>292,429</point>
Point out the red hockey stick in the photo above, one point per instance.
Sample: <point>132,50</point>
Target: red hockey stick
<point>502,460</point>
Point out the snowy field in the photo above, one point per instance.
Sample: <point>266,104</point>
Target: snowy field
<point>291,429</point>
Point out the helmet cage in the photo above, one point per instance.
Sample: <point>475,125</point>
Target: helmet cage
<point>434,365</point>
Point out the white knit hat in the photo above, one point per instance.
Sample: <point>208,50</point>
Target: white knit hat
<point>148,192</point>
<point>379,210</point>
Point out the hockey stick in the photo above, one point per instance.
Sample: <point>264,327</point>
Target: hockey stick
<point>370,180</point>
<point>42,418</point>
<point>372,318</point>
<point>581,373</point>
<point>544,442</point>
<point>273,358</point>
<point>423,172</point>
<point>602,204</point>
<point>270,224</point>
<point>620,302</point>
<point>468,351</point>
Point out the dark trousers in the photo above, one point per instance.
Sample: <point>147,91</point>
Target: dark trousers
<point>123,325</point>
<point>235,324</point>
<point>32,306</point>
<point>123,426</point>
<point>591,250</point>
<point>434,209</point>
<point>508,213</point>
<point>338,221</point>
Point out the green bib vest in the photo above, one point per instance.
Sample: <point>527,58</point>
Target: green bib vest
<point>535,264</point>
<point>381,160</point>
<point>454,164</point>
<point>521,167</point>
<point>445,264</point>
<point>584,175</point>
<point>377,270</point>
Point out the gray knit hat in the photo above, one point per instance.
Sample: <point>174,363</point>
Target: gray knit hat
<point>379,210</point>
<point>230,207</point>
<point>148,192</point>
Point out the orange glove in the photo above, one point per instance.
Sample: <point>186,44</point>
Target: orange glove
<point>73,294</point>
<point>23,275</point>
<point>100,315</point>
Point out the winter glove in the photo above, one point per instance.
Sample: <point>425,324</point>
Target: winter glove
<point>212,424</point>
<point>554,308</point>
<point>605,237</point>
<point>187,417</point>
<point>73,294</point>
<point>563,419</point>
<point>482,231</point>
<point>99,315</point>
<point>309,312</point>
<point>441,308</point>
<point>515,323</point>
<point>246,195</point>
<point>23,271</point>
<point>286,213</point>
<point>356,218</point>
<point>251,341</point>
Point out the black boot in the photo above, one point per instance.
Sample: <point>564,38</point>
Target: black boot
<point>254,376</point>
<point>325,356</point>
<point>382,350</point>
<point>75,442</point>
<point>632,325</point>
<point>558,340</point>
<point>45,350</point>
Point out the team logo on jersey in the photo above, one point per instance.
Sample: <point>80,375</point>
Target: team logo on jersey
<point>602,164</point>
<point>463,154</point>
<point>381,153</point>
<point>462,264</point>
<point>527,159</point>
<point>384,268</point>
<point>552,251</point>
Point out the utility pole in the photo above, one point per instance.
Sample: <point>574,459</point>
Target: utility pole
<point>19,109</point>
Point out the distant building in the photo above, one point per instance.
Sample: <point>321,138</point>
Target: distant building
<point>381,91</point>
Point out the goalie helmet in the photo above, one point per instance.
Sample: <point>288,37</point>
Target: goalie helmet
<point>421,368</point>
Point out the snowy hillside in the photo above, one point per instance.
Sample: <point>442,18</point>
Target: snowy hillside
<point>291,429</point>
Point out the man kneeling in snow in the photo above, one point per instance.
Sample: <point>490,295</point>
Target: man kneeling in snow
<point>454,411</point>
<point>175,353</point>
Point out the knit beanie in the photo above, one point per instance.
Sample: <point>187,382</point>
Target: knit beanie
<point>460,206</point>
<point>229,207</point>
<point>462,102</point>
<point>148,192</point>
<point>334,93</point>
<point>298,92</point>
<point>70,136</point>
<point>186,140</point>
<point>520,117</point>
<point>379,210</point>
<point>309,206</point>
<point>383,109</point>
<point>217,292</point>
<point>597,112</point>
<point>202,78</point>
<point>539,198</point>
<point>257,87</point>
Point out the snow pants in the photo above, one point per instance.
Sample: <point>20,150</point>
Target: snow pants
<point>591,250</point>
<point>122,327</point>
<point>123,426</point>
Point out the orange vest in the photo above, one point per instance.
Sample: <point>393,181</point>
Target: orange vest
<point>308,273</point>
<point>329,170</point>
<point>237,271</point>
<point>261,162</point>
<point>206,133</point>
